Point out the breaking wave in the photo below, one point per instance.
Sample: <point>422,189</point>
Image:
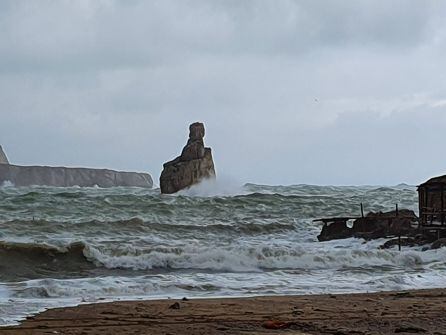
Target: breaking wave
<point>62,246</point>
<point>31,260</point>
<point>7,183</point>
<point>260,258</point>
<point>20,261</point>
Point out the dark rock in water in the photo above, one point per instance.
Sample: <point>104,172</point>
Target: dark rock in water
<point>440,243</point>
<point>193,165</point>
<point>3,158</point>
<point>405,242</point>
<point>66,177</point>
<point>383,224</point>
<point>379,225</point>
<point>373,226</point>
<point>335,231</point>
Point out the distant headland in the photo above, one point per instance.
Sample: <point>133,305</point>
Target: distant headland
<point>66,177</point>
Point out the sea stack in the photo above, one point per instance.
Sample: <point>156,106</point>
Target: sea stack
<point>3,158</point>
<point>192,166</point>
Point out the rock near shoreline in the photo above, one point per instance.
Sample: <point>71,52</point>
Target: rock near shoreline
<point>193,165</point>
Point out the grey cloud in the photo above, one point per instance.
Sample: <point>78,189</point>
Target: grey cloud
<point>286,88</point>
<point>65,36</point>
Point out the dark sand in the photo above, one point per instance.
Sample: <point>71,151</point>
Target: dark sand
<point>421,312</point>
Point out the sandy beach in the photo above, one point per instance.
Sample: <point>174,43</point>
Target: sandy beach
<point>405,312</point>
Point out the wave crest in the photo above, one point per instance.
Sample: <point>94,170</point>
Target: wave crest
<point>33,260</point>
<point>238,258</point>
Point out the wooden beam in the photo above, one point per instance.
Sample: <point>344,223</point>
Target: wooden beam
<point>442,204</point>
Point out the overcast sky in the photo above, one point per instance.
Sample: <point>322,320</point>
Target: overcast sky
<point>318,92</point>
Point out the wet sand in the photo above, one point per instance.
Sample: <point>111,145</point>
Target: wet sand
<point>408,312</point>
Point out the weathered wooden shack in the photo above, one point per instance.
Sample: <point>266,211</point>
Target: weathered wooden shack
<point>431,220</point>
<point>432,204</point>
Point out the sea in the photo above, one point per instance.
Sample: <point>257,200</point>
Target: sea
<point>70,246</point>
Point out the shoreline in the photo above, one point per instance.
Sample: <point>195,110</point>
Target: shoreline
<point>405,312</point>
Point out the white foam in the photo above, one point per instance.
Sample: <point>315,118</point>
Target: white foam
<point>221,186</point>
<point>7,183</point>
<point>254,256</point>
<point>4,292</point>
<point>36,295</point>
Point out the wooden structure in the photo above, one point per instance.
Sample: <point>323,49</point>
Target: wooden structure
<point>431,220</point>
<point>328,221</point>
<point>374,225</point>
<point>432,204</point>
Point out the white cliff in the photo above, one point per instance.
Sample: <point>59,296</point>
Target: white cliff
<point>3,158</point>
<point>66,177</point>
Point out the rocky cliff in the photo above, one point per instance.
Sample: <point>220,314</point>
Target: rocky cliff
<point>3,158</point>
<point>65,177</point>
<point>193,165</point>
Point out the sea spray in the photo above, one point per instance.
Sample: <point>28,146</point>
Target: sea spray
<point>221,187</point>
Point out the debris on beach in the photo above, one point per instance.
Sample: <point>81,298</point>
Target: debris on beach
<point>274,324</point>
<point>175,306</point>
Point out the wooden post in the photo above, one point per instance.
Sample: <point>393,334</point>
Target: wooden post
<point>399,242</point>
<point>426,196</point>
<point>442,205</point>
<point>396,210</point>
<point>423,206</point>
<point>362,210</point>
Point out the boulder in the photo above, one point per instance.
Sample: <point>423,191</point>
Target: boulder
<point>193,165</point>
<point>3,158</point>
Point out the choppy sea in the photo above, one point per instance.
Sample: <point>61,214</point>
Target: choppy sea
<point>67,246</point>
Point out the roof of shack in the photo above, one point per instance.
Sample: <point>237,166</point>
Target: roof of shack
<point>436,181</point>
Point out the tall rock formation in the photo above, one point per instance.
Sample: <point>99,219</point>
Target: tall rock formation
<point>193,165</point>
<point>3,158</point>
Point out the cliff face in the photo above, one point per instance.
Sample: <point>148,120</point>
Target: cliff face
<point>3,158</point>
<point>193,165</point>
<point>66,177</point>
